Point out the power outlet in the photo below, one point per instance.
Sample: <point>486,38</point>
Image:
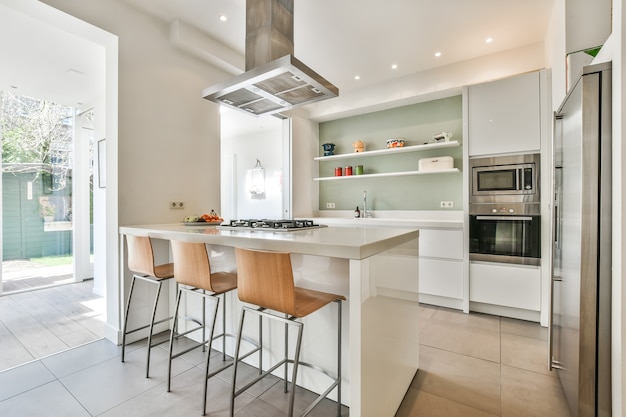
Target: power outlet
<point>177,204</point>
<point>330,205</point>
<point>446,204</point>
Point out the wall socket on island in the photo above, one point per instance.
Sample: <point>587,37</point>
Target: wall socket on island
<point>446,204</point>
<point>177,204</point>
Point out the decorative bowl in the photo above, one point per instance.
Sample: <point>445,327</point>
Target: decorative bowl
<point>395,143</point>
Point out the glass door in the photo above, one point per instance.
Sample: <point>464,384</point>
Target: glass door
<point>38,193</point>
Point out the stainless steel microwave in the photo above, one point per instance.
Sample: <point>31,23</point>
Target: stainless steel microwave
<point>513,178</point>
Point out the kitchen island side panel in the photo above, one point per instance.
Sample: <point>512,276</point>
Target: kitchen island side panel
<point>384,325</point>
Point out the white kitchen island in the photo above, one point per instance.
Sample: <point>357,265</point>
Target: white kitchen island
<point>380,337</point>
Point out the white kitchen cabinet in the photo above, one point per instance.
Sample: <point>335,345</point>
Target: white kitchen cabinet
<point>504,116</point>
<point>442,278</point>
<point>508,286</point>
<point>441,267</point>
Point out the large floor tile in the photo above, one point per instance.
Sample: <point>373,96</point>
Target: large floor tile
<point>105,385</point>
<point>424,315</point>
<point>523,328</point>
<point>422,404</point>
<point>456,336</point>
<point>478,320</point>
<point>13,352</point>
<point>525,353</point>
<point>81,357</point>
<point>184,400</point>
<point>23,378</point>
<point>277,397</point>
<point>260,408</point>
<point>462,379</point>
<point>50,400</point>
<point>531,394</point>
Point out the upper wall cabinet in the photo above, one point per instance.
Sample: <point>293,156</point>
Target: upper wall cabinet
<point>504,116</point>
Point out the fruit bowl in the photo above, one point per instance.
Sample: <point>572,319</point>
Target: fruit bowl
<point>205,219</point>
<point>395,143</point>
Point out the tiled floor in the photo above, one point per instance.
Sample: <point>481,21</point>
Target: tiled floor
<point>471,365</point>
<point>482,365</point>
<point>39,323</point>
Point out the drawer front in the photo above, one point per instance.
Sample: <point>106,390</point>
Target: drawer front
<point>446,244</point>
<point>504,285</point>
<point>441,278</point>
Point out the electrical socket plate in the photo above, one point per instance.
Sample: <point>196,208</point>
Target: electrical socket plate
<point>177,204</point>
<point>447,204</point>
<point>330,205</point>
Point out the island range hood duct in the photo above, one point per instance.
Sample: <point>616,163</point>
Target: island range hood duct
<point>274,80</point>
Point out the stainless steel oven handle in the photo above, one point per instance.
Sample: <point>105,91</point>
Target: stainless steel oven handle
<point>523,218</point>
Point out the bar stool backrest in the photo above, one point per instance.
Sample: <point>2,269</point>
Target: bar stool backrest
<point>140,255</point>
<point>191,264</point>
<point>265,279</point>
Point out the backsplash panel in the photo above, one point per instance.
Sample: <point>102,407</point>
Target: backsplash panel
<point>416,123</point>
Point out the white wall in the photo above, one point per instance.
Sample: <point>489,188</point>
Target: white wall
<point>588,23</point>
<point>555,52</point>
<point>305,146</point>
<point>615,50</point>
<point>246,139</point>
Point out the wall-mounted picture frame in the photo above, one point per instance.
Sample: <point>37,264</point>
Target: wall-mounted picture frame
<point>102,173</point>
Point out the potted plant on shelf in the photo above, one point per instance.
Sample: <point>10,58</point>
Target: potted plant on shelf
<point>48,210</point>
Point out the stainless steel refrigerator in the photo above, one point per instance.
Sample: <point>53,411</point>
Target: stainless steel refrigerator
<point>580,328</point>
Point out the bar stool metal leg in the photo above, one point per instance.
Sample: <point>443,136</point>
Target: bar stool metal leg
<point>150,325</point>
<point>296,361</point>
<point>207,375</point>
<point>339,305</point>
<point>154,310</point>
<point>130,296</point>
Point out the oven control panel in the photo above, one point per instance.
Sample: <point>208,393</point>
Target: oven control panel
<point>506,209</point>
<point>503,210</point>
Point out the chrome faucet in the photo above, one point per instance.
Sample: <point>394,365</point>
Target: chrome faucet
<point>366,212</point>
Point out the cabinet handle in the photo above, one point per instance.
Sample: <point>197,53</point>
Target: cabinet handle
<point>523,218</point>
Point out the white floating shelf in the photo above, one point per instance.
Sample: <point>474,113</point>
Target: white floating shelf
<point>413,148</point>
<point>388,174</point>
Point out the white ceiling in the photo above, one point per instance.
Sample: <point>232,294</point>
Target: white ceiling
<point>339,39</point>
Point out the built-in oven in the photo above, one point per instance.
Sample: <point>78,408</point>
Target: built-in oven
<point>508,233</point>
<point>504,217</point>
<point>513,178</point>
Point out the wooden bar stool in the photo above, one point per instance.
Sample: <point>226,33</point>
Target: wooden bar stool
<point>192,271</point>
<point>265,279</point>
<point>141,263</point>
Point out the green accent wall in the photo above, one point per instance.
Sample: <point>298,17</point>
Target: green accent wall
<point>415,123</point>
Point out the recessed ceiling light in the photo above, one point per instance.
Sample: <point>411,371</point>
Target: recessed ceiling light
<point>394,66</point>
<point>223,18</point>
<point>357,77</point>
<point>13,87</point>
<point>437,54</point>
<point>489,40</point>
<point>72,71</point>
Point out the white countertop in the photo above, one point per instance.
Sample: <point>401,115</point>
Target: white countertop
<point>393,218</point>
<point>337,242</point>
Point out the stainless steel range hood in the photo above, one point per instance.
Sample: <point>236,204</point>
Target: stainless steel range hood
<point>274,80</point>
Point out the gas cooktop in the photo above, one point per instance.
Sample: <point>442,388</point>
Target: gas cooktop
<point>271,225</point>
